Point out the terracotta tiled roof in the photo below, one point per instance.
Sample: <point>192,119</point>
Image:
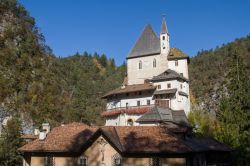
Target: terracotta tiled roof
<point>130,88</point>
<point>67,138</point>
<point>130,111</point>
<point>74,138</point>
<point>147,139</point>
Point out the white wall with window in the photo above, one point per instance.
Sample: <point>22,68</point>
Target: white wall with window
<point>180,66</point>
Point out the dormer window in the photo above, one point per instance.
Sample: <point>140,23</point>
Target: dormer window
<point>140,65</point>
<point>154,63</point>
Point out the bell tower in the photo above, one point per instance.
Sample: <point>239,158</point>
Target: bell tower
<point>164,37</point>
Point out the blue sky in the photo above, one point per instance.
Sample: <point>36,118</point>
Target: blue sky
<point>112,26</point>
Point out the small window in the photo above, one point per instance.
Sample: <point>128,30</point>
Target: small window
<point>49,161</point>
<point>127,94</point>
<point>127,105</point>
<point>140,92</point>
<point>116,160</point>
<point>169,85</point>
<point>154,63</point>
<point>181,74</point>
<point>138,103</point>
<point>155,162</point>
<point>176,63</point>
<point>163,37</point>
<point>181,86</point>
<point>130,122</point>
<point>158,86</point>
<point>148,102</point>
<point>82,161</point>
<point>140,65</point>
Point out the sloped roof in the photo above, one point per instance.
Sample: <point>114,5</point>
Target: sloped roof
<point>75,138</point>
<point>146,139</point>
<point>159,115</point>
<point>168,75</point>
<point>67,138</point>
<point>147,44</point>
<point>176,53</point>
<point>167,91</point>
<point>130,88</point>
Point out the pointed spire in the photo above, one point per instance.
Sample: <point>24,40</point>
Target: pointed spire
<point>164,28</point>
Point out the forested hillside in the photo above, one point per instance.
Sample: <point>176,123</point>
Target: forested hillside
<point>38,86</point>
<point>208,70</point>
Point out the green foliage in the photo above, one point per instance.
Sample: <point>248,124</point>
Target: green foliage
<point>234,114</point>
<point>10,142</point>
<point>208,69</point>
<point>45,88</point>
<point>203,122</point>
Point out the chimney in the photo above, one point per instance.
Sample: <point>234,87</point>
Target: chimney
<point>36,131</point>
<point>46,127</point>
<point>42,135</point>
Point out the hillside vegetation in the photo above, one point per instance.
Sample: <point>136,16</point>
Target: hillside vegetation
<point>208,70</point>
<point>37,86</point>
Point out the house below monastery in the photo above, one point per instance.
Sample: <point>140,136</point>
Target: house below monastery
<point>77,144</point>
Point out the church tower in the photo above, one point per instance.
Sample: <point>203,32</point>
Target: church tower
<point>156,89</point>
<point>164,38</point>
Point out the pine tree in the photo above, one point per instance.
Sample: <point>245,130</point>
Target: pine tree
<point>234,115</point>
<point>10,142</point>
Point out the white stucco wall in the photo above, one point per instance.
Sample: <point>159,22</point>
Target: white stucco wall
<point>131,100</point>
<point>181,68</point>
<point>137,76</point>
<point>121,120</point>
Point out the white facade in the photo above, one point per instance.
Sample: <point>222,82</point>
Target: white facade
<point>137,75</point>
<point>143,68</point>
<point>180,66</point>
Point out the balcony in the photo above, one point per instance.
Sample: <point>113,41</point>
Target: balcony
<point>136,110</point>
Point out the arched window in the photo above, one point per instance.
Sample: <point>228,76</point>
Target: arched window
<point>130,122</point>
<point>163,37</point>
<point>140,65</point>
<point>116,160</point>
<point>154,63</point>
<point>82,161</point>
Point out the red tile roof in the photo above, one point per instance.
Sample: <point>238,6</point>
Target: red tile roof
<point>129,111</point>
<point>62,139</point>
<point>75,137</point>
<point>148,139</point>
